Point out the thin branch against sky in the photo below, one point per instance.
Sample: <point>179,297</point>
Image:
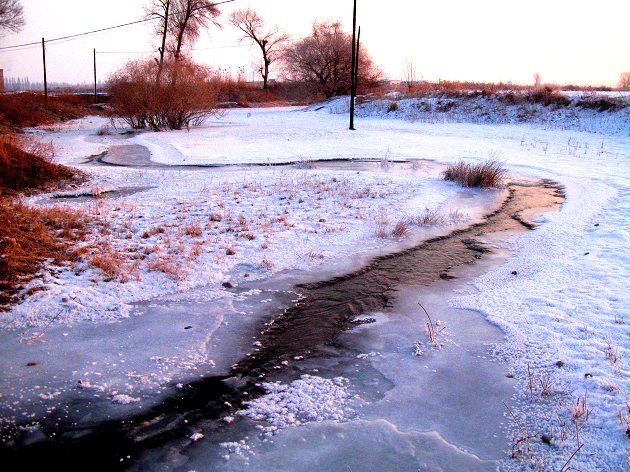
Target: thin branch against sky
<point>453,40</point>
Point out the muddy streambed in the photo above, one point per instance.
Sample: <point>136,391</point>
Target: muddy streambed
<point>444,409</point>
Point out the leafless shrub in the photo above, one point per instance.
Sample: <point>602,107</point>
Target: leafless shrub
<point>488,174</point>
<point>182,95</point>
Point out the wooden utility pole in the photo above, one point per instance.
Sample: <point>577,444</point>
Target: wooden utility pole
<point>45,81</point>
<point>352,72</point>
<point>356,63</point>
<point>95,99</point>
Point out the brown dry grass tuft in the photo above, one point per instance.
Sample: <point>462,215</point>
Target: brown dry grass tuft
<point>488,174</point>
<point>401,229</point>
<point>429,217</point>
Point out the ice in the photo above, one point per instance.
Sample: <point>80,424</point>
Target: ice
<point>569,302</point>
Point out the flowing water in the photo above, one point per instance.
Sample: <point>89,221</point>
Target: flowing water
<point>320,328</point>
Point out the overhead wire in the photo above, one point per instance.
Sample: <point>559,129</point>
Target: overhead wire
<point>100,30</point>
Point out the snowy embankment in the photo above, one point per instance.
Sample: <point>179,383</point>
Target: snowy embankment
<point>565,314</point>
<point>187,229</point>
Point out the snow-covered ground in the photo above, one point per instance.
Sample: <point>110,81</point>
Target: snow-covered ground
<point>565,315</point>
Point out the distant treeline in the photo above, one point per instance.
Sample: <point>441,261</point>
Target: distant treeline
<point>21,84</point>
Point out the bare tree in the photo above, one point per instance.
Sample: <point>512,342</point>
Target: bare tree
<point>537,80</point>
<point>161,10</point>
<point>410,76</point>
<point>189,17</point>
<point>11,15</point>
<point>270,41</point>
<point>624,81</point>
<point>179,24</point>
<point>325,59</point>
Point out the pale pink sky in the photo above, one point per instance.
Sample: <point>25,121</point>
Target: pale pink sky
<point>583,42</point>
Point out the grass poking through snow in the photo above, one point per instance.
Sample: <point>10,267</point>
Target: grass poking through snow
<point>487,174</point>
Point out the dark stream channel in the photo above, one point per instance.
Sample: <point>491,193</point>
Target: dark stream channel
<point>308,328</point>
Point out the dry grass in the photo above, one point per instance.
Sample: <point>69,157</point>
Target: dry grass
<point>487,174</point>
<point>428,217</point>
<point>401,229</point>
<point>193,228</point>
<point>381,230</point>
<point>168,265</point>
<point>28,238</point>
<point>110,262</point>
<point>25,165</point>
<point>432,330</point>
<point>29,109</point>
<point>613,356</point>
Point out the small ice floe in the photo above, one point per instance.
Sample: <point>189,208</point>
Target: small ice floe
<point>369,354</point>
<point>123,399</point>
<point>239,448</point>
<point>196,437</point>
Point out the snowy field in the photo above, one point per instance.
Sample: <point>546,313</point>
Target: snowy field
<point>187,234</point>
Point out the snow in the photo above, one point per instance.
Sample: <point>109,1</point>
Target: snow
<point>569,301</point>
<point>307,399</point>
<point>191,229</point>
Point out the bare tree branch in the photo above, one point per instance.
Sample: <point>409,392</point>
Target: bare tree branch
<point>11,15</point>
<point>189,18</point>
<point>270,41</point>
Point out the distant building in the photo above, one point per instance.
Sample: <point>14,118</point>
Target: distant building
<point>1,81</point>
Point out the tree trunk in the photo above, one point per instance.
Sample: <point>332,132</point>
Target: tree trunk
<point>163,48</point>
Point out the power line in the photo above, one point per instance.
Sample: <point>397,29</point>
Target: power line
<point>193,49</point>
<point>72,36</point>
